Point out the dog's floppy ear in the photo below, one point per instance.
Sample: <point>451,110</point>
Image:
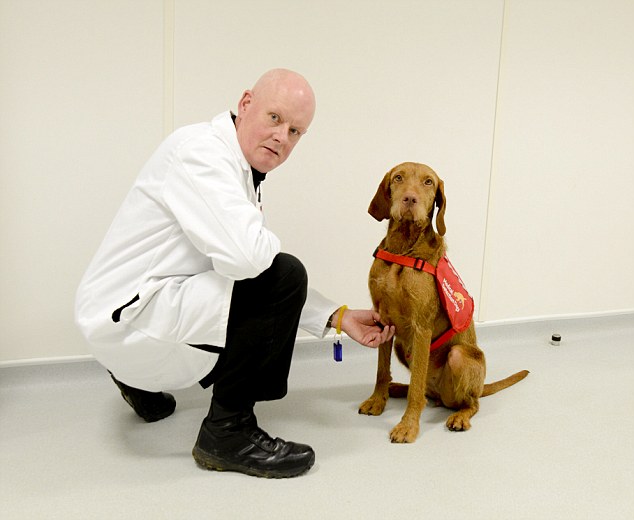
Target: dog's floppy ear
<point>441,202</point>
<point>381,203</point>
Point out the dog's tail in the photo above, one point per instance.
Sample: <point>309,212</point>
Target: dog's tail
<point>492,388</point>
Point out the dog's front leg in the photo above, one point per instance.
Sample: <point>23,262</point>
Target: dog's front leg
<point>375,404</point>
<point>407,430</point>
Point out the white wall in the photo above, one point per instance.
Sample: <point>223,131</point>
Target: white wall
<point>392,84</point>
<point>561,226</point>
<point>525,109</point>
<point>80,110</point>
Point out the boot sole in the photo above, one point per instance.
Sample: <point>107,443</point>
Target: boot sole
<point>207,461</point>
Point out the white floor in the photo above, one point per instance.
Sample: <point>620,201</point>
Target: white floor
<point>558,445</point>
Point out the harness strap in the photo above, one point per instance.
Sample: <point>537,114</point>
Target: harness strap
<point>408,261</point>
<point>442,339</point>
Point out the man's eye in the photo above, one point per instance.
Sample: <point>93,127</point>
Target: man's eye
<point>294,131</point>
<point>275,118</point>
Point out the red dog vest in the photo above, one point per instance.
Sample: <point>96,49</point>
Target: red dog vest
<point>455,299</point>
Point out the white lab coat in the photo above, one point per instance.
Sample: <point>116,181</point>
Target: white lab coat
<point>189,227</point>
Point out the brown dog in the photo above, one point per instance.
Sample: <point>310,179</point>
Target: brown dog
<point>452,374</point>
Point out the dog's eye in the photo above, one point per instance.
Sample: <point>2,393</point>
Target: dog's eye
<point>429,182</point>
<point>398,178</point>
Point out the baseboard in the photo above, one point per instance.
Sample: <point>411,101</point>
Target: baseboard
<point>537,326</point>
<point>555,318</point>
<point>46,361</point>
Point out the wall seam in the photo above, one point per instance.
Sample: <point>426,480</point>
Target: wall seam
<point>168,66</point>
<point>481,307</point>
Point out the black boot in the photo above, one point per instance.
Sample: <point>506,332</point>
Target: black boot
<point>232,441</point>
<point>150,406</point>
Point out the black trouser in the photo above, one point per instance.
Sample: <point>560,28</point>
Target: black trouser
<point>263,322</point>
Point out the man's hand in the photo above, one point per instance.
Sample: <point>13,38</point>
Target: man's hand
<point>364,327</point>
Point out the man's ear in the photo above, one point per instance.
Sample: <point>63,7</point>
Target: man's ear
<point>244,102</point>
<point>382,201</point>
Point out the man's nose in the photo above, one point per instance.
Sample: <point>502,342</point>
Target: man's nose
<point>281,133</point>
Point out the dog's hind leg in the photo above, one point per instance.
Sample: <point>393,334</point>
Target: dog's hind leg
<point>462,385</point>
<point>375,404</point>
<point>398,390</point>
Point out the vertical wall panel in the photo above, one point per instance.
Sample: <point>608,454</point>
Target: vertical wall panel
<point>560,235</point>
<point>395,81</point>
<point>81,104</point>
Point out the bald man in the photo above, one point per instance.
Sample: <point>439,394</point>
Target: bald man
<point>189,286</point>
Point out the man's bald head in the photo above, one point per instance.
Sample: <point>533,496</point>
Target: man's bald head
<point>272,116</point>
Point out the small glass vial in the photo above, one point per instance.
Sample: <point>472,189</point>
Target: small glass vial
<point>555,340</point>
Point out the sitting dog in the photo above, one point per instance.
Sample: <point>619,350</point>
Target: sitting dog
<point>452,374</point>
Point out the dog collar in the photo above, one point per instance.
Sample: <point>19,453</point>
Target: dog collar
<point>408,261</point>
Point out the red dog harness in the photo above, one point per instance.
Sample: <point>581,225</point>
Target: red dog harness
<point>455,299</point>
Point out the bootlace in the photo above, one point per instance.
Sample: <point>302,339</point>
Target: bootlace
<point>263,439</point>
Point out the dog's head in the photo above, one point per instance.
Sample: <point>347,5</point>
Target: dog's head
<point>410,191</point>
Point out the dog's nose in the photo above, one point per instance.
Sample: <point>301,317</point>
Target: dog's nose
<point>409,199</point>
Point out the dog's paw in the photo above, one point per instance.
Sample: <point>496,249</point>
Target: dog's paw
<point>403,433</point>
<point>372,406</point>
<point>458,422</point>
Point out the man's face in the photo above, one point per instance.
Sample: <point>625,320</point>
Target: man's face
<point>270,122</point>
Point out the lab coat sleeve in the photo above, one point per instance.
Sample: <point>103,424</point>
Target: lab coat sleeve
<point>316,312</point>
<point>207,195</point>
